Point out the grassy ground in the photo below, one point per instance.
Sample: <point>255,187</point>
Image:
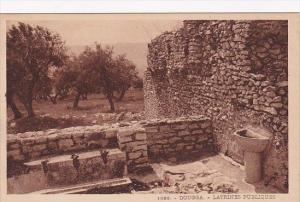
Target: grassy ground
<point>95,110</point>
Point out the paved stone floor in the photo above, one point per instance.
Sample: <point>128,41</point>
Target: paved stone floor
<point>214,174</point>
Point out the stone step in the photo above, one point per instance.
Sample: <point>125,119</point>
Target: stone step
<point>69,170</point>
<point>111,184</point>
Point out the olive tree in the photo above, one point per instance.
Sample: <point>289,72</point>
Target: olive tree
<point>124,76</point>
<point>31,50</point>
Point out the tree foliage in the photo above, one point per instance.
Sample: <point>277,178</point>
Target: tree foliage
<point>125,75</point>
<point>97,70</point>
<point>33,56</point>
<point>31,50</point>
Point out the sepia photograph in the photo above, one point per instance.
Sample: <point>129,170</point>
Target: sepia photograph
<point>147,105</point>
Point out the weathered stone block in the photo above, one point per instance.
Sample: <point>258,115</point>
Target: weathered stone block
<point>65,144</point>
<point>110,133</point>
<point>202,138</point>
<point>136,143</point>
<point>200,131</point>
<point>140,136</point>
<point>125,132</point>
<point>199,146</point>
<point>103,143</point>
<point>14,145</point>
<point>65,136</point>
<point>52,137</point>
<point>271,94</point>
<point>39,147</point>
<point>174,139</point>
<point>141,160</point>
<point>140,147</point>
<point>123,146</point>
<point>27,141</point>
<point>95,136</point>
<point>26,148</point>
<point>165,128</point>
<point>270,110</point>
<point>183,133</point>
<point>282,84</point>
<point>134,155</point>
<point>166,135</point>
<point>205,124</point>
<point>180,146</point>
<point>123,139</point>
<point>12,153</point>
<point>179,126</point>
<point>34,154</point>
<point>79,140</point>
<point>276,105</point>
<point>189,147</point>
<point>193,126</point>
<point>151,129</point>
<point>41,140</point>
<point>189,138</point>
<point>144,153</point>
<point>208,130</point>
<point>163,141</point>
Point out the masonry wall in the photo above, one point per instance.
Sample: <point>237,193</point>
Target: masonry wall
<point>142,141</point>
<point>234,72</point>
<point>179,138</point>
<point>34,145</point>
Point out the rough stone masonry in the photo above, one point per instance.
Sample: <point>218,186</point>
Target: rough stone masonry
<point>235,72</point>
<point>142,142</point>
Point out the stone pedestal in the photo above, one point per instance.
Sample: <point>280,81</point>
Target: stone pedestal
<point>253,166</point>
<point>253,143</point>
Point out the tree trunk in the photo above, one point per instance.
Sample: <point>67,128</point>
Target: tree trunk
<point>76,100</point>
<point>29,108</point>
<point>110,100</point>
<point>29,96</point>
<point>13,106</point>
<point>121,95</point>
<point>85,95</point>
<point>53,99</point>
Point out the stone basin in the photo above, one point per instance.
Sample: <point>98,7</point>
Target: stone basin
<point>253,143</point>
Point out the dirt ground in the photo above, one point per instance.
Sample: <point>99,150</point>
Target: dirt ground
<point>94,110</point>
<point>208,175</point>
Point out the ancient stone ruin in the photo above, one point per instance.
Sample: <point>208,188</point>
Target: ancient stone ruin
<point>203,83</point>
<point>235,73</point>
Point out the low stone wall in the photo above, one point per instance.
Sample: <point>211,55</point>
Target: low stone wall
<point>179,137</point>
<point>33,145</point>
<point>133,140</point>
<point>141,141</point>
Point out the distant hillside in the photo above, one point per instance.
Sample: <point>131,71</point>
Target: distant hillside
<point>136,52</point>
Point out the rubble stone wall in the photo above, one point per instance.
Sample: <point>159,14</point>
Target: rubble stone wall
<point>133,140</point>
<point>141,141</point>
<point>179,137</point>
<point>33,145</point>
<point>234,72</point>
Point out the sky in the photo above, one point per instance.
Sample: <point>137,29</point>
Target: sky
<point>106,31</point>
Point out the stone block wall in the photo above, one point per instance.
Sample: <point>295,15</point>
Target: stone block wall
<point>33,145</point>
<point>179,137</point>
<point>141,141</point>
<point>133,140</point>
<point>234,72</point>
